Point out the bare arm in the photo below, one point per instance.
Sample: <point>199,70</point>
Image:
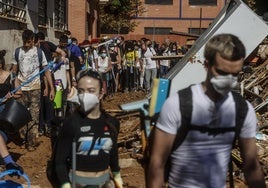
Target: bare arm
<point>251,166</point>
<point>161,148</point>
<point>109,65</point>
<point>69,85</point>
<point>51,85</point>
<point>80,60</point>
<point>72,71</point>
<point>3,148</point>
<point>62,53</point>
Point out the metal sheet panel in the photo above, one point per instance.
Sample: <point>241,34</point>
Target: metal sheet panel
<point>236,18</point>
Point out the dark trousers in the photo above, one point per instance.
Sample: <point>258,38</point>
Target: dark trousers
<point>46,112</point>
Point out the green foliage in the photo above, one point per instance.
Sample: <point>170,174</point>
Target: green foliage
<point>119,14</point>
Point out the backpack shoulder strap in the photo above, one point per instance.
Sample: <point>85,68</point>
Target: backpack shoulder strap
<point>17,52</point>
<point>241,108</point>
<point>40,56</point>
<point>186,107</point>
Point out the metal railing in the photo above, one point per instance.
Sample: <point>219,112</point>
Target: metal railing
<point>12,12</point>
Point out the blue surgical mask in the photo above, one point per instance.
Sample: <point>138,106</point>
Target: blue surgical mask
<point>103,55</point>
<point>69,41</point>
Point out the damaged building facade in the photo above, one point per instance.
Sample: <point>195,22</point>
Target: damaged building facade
<point>52,17</point>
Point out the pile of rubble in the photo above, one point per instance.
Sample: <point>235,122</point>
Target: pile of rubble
<point>254,87</point>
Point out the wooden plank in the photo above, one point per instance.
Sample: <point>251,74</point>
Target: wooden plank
<point>166,57</point>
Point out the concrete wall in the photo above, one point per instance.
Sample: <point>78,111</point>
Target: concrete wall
<point>10,32</point>
<point>11,29</point>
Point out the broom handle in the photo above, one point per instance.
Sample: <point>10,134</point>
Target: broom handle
<point>29,80</point>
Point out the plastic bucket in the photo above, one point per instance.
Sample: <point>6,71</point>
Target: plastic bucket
<point>10,183</point>
<point>14,116</point>
<point>58,99</point>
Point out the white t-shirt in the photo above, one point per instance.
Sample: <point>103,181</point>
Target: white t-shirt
<point>165,62</point>
<point>201,161</point>
<point>29,66</point>
<point>61,73</point>
<point>103,64</point>
<point>149,63</point>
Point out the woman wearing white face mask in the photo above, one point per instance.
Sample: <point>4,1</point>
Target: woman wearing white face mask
<point>104,66</point>
<point>95,134</point>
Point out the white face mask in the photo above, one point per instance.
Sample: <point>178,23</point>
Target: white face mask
<point>88,101</point>
<point>223,84</point>
<point>103,55</point>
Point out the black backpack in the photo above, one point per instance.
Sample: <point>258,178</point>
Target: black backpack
<point>39,53</point>
<point>186,106</point>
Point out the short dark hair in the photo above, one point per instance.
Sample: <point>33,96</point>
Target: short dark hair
<point>41,35</point>
<point>228,46</point>
<point>2,58</point>
<point>74,39</point>
<point>63,39</point>
<point>27,35</point>
<point>67,32</point>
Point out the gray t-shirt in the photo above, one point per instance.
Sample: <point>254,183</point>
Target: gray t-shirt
<point>201,161</point>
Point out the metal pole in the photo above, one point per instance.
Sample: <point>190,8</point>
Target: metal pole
<point>153,29</point>
<point>73,163</point>
<point>200,22</point>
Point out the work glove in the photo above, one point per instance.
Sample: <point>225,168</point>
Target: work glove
<point>15,166</point>
<point>118,180</point>
<point>66,185</point>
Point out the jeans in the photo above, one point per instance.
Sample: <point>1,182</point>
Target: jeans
<point>150,74</point>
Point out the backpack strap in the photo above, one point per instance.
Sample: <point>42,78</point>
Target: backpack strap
<point>241,108</point>
<point>17,52</point>
<point>241,112</point>
<point>186,107</point>
<point>39,54</point>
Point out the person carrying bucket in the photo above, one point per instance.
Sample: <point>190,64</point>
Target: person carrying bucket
<point>5,87</point>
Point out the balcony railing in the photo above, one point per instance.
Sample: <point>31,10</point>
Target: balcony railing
<point>12,12</point>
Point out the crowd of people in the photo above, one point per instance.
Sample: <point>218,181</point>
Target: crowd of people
<point>127,65</point>
<point>99,69</point>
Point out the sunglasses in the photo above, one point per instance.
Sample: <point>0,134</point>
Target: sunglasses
<point>90,73</point>
<point>223,73</point>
